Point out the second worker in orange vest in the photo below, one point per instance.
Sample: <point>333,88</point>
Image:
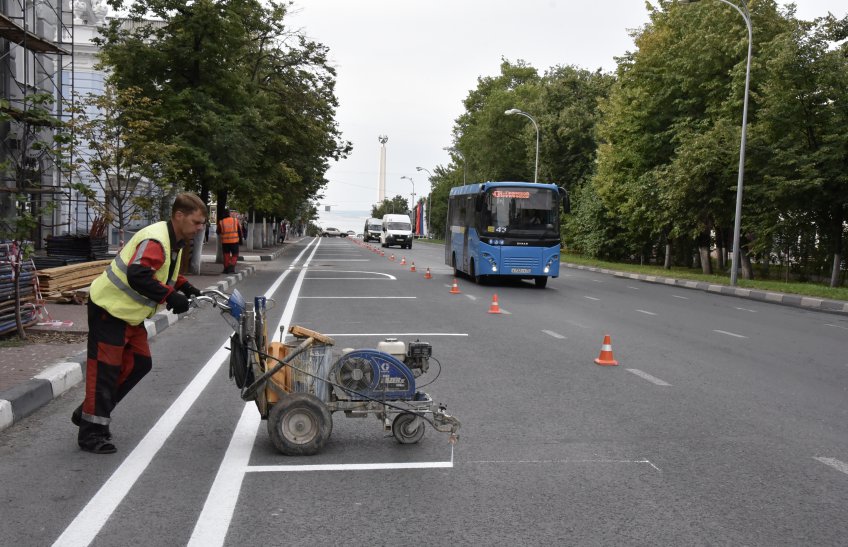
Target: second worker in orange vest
<point>230,233</point>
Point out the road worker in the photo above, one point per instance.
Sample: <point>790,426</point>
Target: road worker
<point>229,230</point>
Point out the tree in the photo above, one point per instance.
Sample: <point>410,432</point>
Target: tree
<point>396,205</point>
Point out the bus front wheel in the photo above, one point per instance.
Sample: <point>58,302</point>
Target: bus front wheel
<point>541,281</point>
<point>477,278</point>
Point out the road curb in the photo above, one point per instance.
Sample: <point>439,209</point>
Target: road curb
<point>18,402</point>
<point>794,300</point>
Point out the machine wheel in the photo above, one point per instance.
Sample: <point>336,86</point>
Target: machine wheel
<point>299,424</point>
<point>456,272</point>
<point>404,429</point>
<point>541,281</point>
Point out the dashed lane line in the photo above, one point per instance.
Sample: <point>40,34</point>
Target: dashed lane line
<point>382,334</point>
<point>470,297</point>
<point>648,377</point>
<point>632,287</point>
<point>745,309</point>
<point>554,334</point>
<point>837,326</point>
<point>729,333</point>
<point>834,463</point>
<point>646,312</point>
<point>357,297</point>
<point>591,298</point>
<point>680,297</point>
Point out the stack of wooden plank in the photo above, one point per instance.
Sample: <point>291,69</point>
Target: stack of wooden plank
<point>7,292</point>
<point>61,284</point>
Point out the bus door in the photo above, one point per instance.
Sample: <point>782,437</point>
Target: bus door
<point>467,224</point>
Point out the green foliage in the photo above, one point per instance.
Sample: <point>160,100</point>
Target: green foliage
<point>397,204</point>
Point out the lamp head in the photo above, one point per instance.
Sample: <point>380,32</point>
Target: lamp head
<point>512,111</point>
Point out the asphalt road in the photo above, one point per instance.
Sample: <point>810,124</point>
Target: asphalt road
<point>726,422</point>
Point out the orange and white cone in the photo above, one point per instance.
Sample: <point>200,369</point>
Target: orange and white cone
<point>412,269</point>
<point>606,357</point>
<point>427,274</point>
<point>494,308</point>
<point>455,287</point>
<point>392,258</point>
<point>403,261</point>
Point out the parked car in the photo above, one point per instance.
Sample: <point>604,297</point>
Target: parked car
<point>351,233</point>
<point>331,232</point>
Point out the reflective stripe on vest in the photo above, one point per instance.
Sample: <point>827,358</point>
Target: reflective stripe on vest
<point>112,292</point>
<point>229,230</point>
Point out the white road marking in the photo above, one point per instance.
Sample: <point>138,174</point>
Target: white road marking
<point>632,287</point>
<point>575,323</point>
<point>470,297</point>
<point>648,377</point>
<point>554,334</point>
<point>337,334</point>
<point>352,271</point>
<point>343,260</point>
<point>834,463</point>
<point>88,523</point>
<point>680,297</point>
<point>348,467</point>
<point>729,333</point>
<point>357,297</point>
<point>352,278</point>
<point>597,281</point>
<point>646,312</point>
<point>558,462</point>
<point>505,312</point>
<point>746,309</point>
<point>591,298</point>
<point>214,520</point>
<point>837,326</point>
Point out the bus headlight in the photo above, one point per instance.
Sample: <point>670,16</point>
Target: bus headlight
<point>547,269</point>
<point>494,268</point>
<point>550,263</point>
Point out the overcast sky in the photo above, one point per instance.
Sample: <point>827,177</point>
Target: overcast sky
<point>404,67</point>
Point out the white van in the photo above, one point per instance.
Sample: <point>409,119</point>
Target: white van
<point>373,227</point>
<point>397,230</point>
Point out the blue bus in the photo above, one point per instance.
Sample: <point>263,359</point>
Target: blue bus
<point>508,229</point>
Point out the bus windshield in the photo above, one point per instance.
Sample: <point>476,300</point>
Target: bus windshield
<point>520,211</point>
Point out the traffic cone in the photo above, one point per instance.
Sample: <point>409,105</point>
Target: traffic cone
<point>455,287</point>
<point>606,358</point>
<point>382,253</point>
<point>403,261</point>
<point>427,274</point>
<point>412,269</point>
<point>494,308</point>
<point>392,258</point>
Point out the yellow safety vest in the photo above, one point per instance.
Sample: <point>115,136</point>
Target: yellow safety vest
<point>112,292</point>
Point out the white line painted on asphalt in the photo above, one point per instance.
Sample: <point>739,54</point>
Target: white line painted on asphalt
<point>470,297</point>
<point>597,281</point>
<point>88,523</point>
<point>558,462</point>
<point>342,260</point>
<point>746,309</point>
<point>505,312</point>
<point>680,297</point>
<point>837,326</point>
<point>396,334</point>
<point>834,463</point>
<point>591,298</point>
<point>554,334</point>
<point>648,377</point>
<point>351,278</point>
<point>729,333</point>
<point>389,276</point>
<point>214,521</point>
<point>357,297</point>
<point>632,287</point>
<point>646,312</point>
<point>347,467</point>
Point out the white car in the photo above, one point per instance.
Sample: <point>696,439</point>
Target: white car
<point>331,232</point>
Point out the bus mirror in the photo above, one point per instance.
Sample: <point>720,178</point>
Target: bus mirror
<point>566,201</point>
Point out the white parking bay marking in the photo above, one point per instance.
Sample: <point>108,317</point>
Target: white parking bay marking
<point>646,312</point>
<point>348,467</point>
<point>729,333</point>
<point>591,298</point>
<point>554,334</point>
<point>88,523</point>
<point>648,377</point>
<point>746,309</point>
<point>358,297</point>
<point>834,463</point>
<point>337,334</point>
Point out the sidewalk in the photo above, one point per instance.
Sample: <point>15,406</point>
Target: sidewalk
<point>33,374</point>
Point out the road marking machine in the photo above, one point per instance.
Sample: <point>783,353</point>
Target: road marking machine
<point>297,386</point>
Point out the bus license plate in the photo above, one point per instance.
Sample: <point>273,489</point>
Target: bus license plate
<point>520,270</point>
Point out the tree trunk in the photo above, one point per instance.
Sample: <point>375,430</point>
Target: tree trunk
<point>745,261</point>
<point>16,257</point>
<point>837,245</point>
<point>704,253</point>
<point>196,254</point>
<point>721,250</point>
<point>667,261</point>
<point>834,274</point>
<point>221,204</point>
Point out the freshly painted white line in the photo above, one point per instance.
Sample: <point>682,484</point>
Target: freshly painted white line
<point>557,462</point>
<point>214,521</point>
<point>342,260</point>
<point>729,333</point>
<point>389,276</point>
<point>597,281</point>
<point>648,377</point>
<point>834,463</point>
<point>591,298</point>
<point>352,278</point>
<point>470,297</point>
<point>646,312</point>
<point>337,334</point>
<point>554,334</point>
<point>680,297</point>
<point>347,467</point>
<point>837,326</point>
<point>746,309</point>
<point>505,312</point>
<point>357,297</point>
<point>88,523</point>
<point>632,287</point>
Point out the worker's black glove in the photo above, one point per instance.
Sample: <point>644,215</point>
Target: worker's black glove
<point>177,302</point>
<point>190,290</point>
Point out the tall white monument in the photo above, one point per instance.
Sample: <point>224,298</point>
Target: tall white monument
<point>381,183</point>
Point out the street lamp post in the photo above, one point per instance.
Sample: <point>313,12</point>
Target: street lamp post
<point>512,111</point>
<point>412,206</point>
<point>429,178</point>
<point>734,262</point>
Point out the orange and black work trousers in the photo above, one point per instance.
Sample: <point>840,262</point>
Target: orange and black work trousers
<point>118,357</point>
<point>231,253</point>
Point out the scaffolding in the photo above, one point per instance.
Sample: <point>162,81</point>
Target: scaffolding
<point>36,101</point>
